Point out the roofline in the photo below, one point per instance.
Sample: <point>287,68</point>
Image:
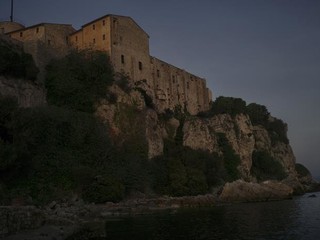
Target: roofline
<point>38,25</point>
<point>113,15</point>
<point>181,69</point>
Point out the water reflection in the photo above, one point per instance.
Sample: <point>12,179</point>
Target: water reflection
<point>291,219</point>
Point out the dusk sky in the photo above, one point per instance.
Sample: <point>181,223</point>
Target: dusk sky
<point>264,51</point>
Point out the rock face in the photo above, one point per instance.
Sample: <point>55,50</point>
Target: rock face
<point>279,150</point>
<point>26,93</point>
<point>202,134</point>
<point>14,219</point>
<point>240,191</point>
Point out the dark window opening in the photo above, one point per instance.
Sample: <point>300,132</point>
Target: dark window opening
<point>37,30</point>
<point>94,40</point>
<point>49,42</point>
<point>187,85</point>
<point>158,73</point>
<point>122,59</point>
<point>21,34</point>
<point>173,79</point>
<point>103,37</point>
<point>76,38</point>
<point>140,65</point>
<point>104,22</point>
<point>93,26</point>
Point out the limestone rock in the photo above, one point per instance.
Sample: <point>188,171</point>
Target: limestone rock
<point>26,93</point>
<point>154,134</point>
<point>241,191</point>
<point>201,134</point>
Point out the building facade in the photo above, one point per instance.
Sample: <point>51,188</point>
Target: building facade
<point>128,47</point>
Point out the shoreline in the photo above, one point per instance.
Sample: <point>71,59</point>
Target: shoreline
<point>60,220</point>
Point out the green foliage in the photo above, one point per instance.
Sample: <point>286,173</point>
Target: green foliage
<point>277,130</point>
<point>230,158</point>
<point>16,63</point>
<point>265,167</point>
<point>79,80</point>
<point>104,188</point>
<point>225,105</point>
<point>48,143</point>
<point>258,114</point>
<point>183,171</point>
<point>302,170</point>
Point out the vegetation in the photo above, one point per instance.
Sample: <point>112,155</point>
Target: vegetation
<point>226,105</point>
<point>183,171</point>
<point>49,152</point>
<point>257,113</point>
<point>231,159</point>
<point>265,167</point>
<point>302,170</point>
<point>14,62</point>
<point>79,80</point>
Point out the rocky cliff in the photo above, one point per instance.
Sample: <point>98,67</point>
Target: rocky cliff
<point>204,134</point>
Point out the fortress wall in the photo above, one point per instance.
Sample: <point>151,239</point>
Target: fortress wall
<point>29,34</point>
<point>174,86</point>
<point>6,27</point>
<point>130,49</point>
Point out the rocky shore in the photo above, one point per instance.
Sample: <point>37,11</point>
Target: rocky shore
<point>64,218</point>
<point>58,220</point>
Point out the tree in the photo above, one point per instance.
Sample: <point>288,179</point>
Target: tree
<point>79,80</point>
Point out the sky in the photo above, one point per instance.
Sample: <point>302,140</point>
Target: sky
<point>263,51</point>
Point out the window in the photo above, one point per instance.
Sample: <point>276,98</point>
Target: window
<point>93,26</point>
<point>140,65</point>
<point>103,37</point>
<point>49,42</point>
<point>188,85</point>
<point>104,22</point>
<point>173,79</point>
<point>122,59</point>
<point>21,34</point>
<point>158,73</point>
<point>94,40</point>
<point>76,38</point>
<point>37,30</point>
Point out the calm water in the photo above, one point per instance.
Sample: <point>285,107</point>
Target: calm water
<point>291,219</point>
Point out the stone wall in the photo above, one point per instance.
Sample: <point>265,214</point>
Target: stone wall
<point>7,26</point>
<point>128,46</point>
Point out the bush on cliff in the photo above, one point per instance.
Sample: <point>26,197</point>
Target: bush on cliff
<point>265,167</point>
<point>16,63</point>
<point>230,159</point>
<point>79,80</point>
<point>302,170</point>
<point>225,105</point>
<point>184,171</point>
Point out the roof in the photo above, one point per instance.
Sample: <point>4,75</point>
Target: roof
<point>38,25</point>
<point>112,15</point>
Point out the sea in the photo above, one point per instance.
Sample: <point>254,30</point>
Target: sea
<point>294,219</point>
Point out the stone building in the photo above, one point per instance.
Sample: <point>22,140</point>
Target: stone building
<point>128,47</point>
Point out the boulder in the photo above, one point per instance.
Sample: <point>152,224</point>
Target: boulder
<point>241,191</point>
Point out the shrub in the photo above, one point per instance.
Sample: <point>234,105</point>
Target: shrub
<point>225,105</point>
<point>16,63</point>
<point>265,167</point>
<point>302,170</point>
<point>231,160</point>
<point>104,189</point>
<point>79,80</point>
<point>258,114</point>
